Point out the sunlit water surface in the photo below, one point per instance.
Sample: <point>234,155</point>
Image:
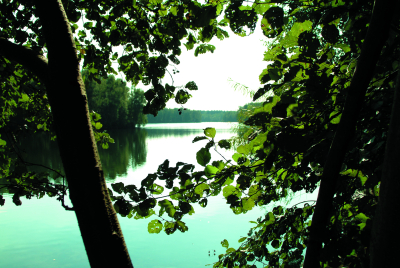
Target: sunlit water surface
<point>40,233</point>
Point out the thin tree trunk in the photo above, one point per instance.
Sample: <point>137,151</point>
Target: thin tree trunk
<point>384,248</point>
<point>374,41</point>
<point>98,222</point>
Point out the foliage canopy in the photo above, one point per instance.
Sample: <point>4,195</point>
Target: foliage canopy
<point>312,54</point>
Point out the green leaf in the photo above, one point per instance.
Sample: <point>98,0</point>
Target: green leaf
<point>2,142</point>
<point>242,239</point>
<point>203,157</point>
<point>244,149</point>
<point>174,11</point>
<point>230,250</point>
<point>225,243</point>
<point>236,157</point>
<point>248,203</point>
<point>362,217</point>
<point>168,206</point>
<point>157,189</point>
<point>228,190</point>
<point>98,125</point>
<point>210,132</point>
<point>201,188</point>
<point>182,226</point>
<point>210,171</point>
<point>199,138</point>
<point>24,98</point>
<point>271,219</point>
<point>154,227</point>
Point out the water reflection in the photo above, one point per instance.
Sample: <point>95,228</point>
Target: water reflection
<point>128,152</point>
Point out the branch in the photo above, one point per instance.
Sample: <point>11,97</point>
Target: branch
<point>30,59</point>
<point>374,41</point>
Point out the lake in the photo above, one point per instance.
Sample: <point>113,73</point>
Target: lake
<point>40,233</point>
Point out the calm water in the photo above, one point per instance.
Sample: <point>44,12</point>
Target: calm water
<point>40,233</point>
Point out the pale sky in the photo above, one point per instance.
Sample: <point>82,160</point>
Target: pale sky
<point>238,58</point>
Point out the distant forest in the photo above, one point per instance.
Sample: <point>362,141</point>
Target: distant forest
<point>121,107</point>
<point>118,105</point>
<point>192,116</point>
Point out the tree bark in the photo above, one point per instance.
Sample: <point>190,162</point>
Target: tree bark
<point>98,222</point>
<point>385,229</point>
<point>374,41</point>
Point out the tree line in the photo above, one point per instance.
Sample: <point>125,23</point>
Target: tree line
<point>118,105</point>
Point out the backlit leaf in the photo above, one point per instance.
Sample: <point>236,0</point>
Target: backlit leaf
<point>225,243</point>
<point>210,132</point>
<point>154,227</point>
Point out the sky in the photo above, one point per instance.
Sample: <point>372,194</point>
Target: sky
<point>235,58</point>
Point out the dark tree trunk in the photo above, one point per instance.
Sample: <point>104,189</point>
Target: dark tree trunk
<point>374,41</point>
<point>385,229</point>
<point>98,222</point>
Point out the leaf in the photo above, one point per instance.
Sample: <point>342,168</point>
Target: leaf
<point>182,226</point>
<point>228,190</point>
<point>168,206</point>
<point>224,144</point>
<point>254,192</point>
<point>24,98</point>
<point>185,207</point>
<point>201,188</point>
<point>149,180</point>
<point>271,219</point>
<point>230,250</point>
<point>248,203</point>
<point>182,96</point>
<point>225,243</point>
<point>2,142</point>
<point>362,217</point>
<point>98,125</point>
<point>236,157</point>
<point>199,138</point>
<point>191,85</point>
<point>244,149</point>
<point>242,239</point>
<point>118,187</point>
<point>210,171</point>
<point>174,11</point>
<point>210,132</point>
<point>154,227</point>
<point>261,91</point>
<point>157,189</point>
<point>203,157</point>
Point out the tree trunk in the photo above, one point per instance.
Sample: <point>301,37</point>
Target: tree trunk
<point>98,222</point>
<point>374,41</point>
<point>385,229</point>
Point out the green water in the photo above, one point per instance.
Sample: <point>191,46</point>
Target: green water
<point>40,233</point>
